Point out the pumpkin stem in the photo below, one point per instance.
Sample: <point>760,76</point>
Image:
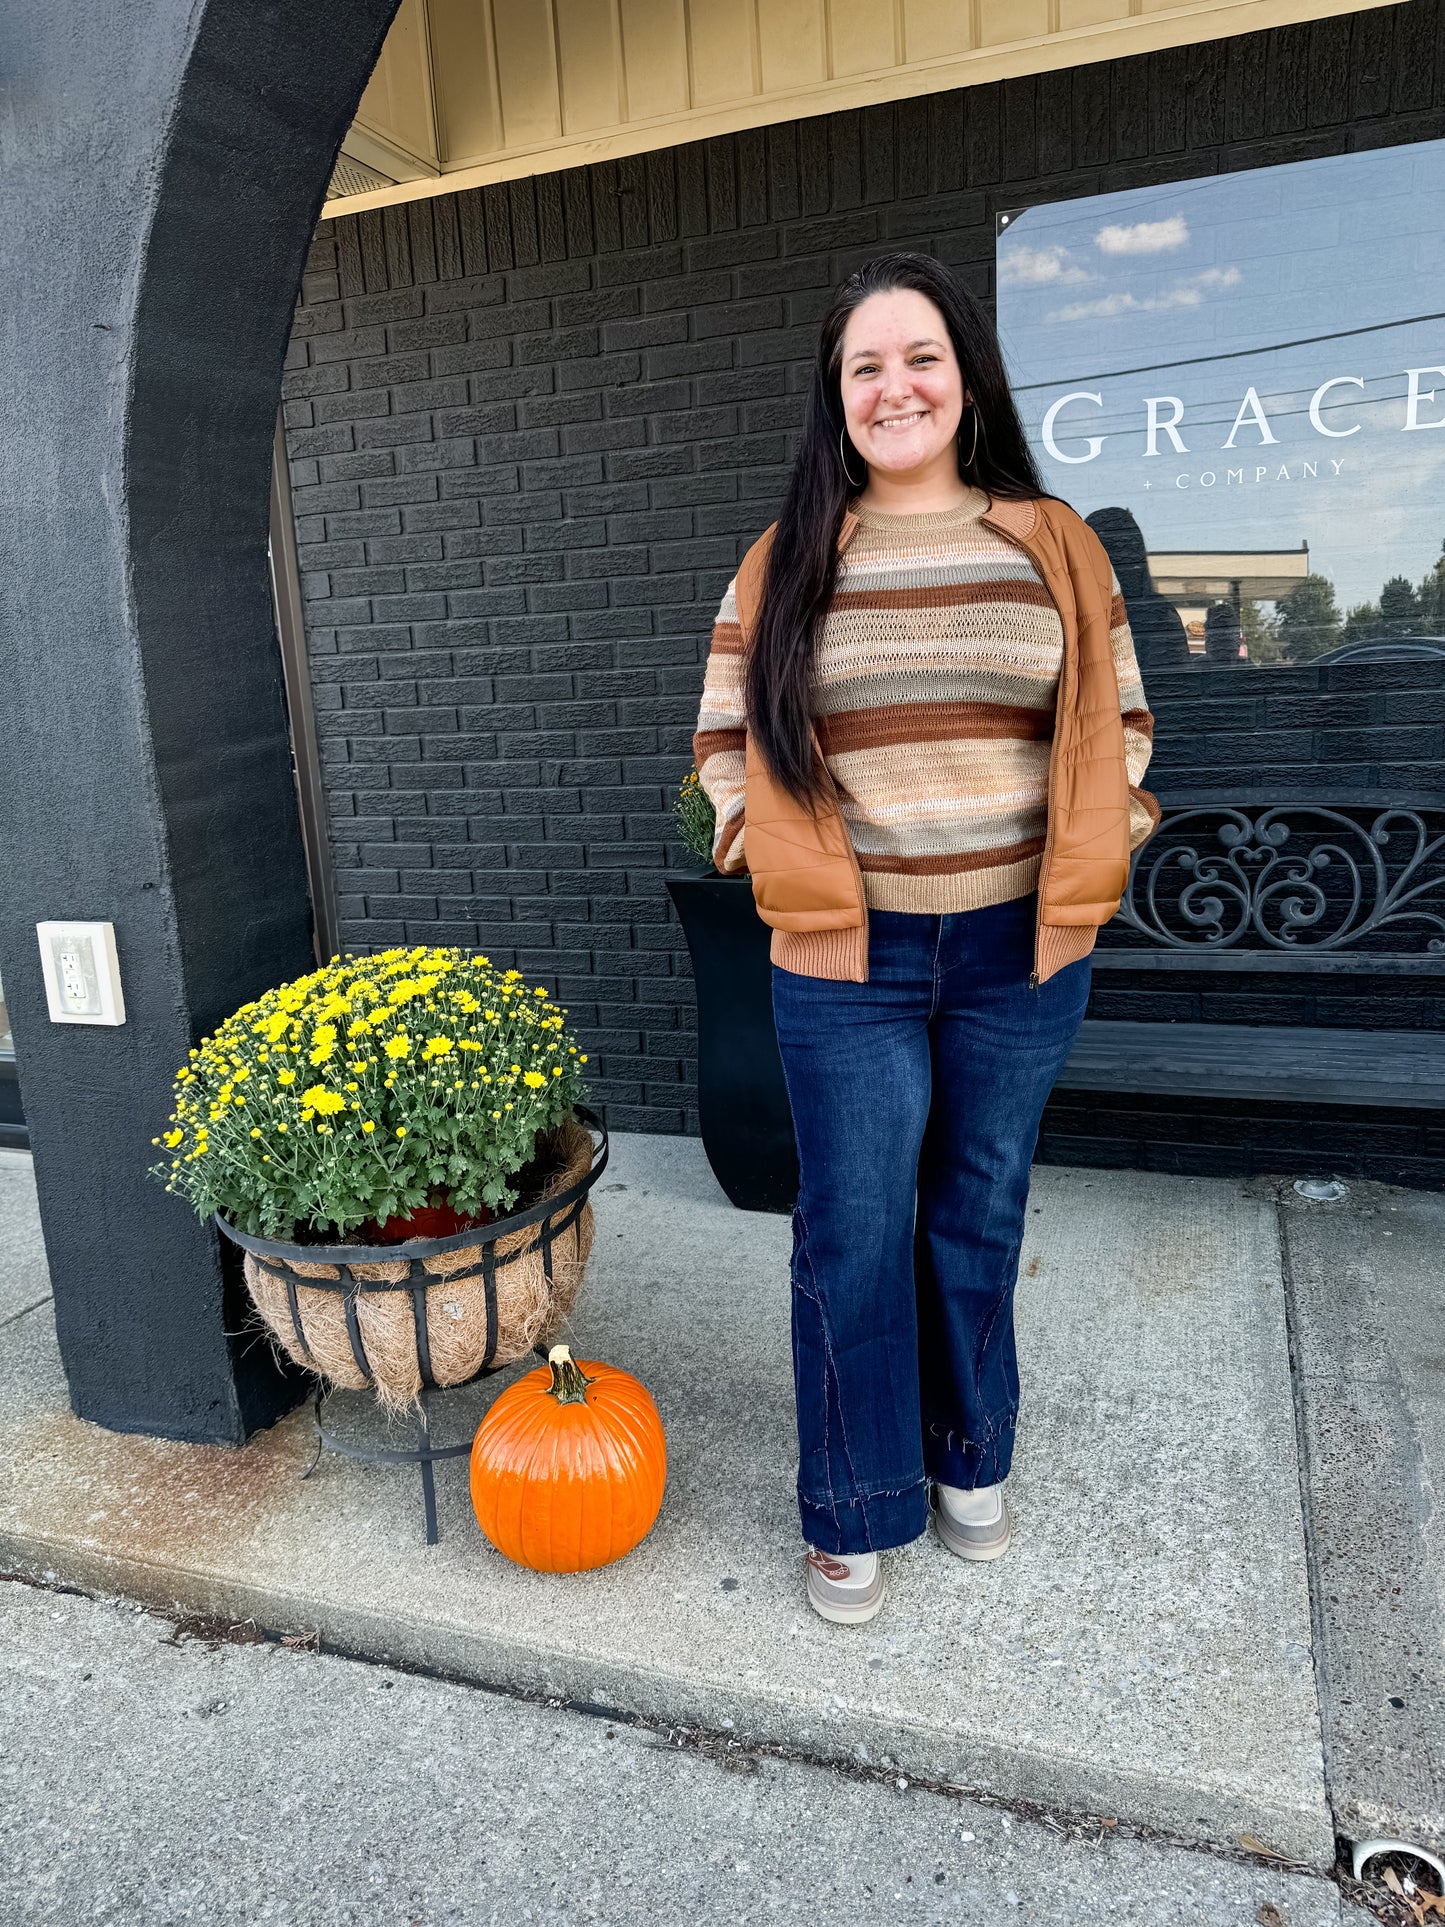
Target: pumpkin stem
<point>569,1383</point>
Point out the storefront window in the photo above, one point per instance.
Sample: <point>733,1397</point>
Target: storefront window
<point>7,1045</point>
<point>1240,381</point>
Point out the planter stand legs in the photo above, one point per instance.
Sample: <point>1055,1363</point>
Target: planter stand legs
<point>425,1455</point>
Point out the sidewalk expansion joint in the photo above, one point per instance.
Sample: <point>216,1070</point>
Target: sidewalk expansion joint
<point>14,1317</point>
<point>1302,1460</point>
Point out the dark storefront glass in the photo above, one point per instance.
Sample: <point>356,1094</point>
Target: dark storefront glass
<point>1240,382</point>
<point>12,1117</point>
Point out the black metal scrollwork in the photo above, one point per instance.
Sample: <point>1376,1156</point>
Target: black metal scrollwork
<point>1294,877</point>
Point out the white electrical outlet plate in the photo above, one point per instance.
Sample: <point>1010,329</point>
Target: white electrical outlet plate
<point>82,973</point>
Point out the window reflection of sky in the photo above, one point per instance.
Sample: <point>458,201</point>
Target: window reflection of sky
<point>1249,261</point>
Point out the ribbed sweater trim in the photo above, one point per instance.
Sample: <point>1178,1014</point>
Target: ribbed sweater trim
<point>930,522</point>
<point>945,895</point>
<point>841,955</point>
<point>1060,944</point>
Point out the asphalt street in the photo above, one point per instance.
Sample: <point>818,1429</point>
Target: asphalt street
<point>159,1775</point>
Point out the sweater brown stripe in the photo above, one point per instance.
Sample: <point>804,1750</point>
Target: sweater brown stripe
<point>953,866</point>
<point>943,595</point>
<point>932,723</point>
<point>708,742</point>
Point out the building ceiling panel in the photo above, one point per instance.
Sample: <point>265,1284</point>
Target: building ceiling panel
<point>472,91</point>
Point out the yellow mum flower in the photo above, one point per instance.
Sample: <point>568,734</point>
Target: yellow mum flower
<point>534,1080</point>
<point>437,1047</point>
<point>369,1126</point>
<point>285,1077</point>
<point>320,1099</point>
<point>401,1130</point>
<point>397,1046</point>
<point>172,1139</point>
<point>254,1131</point>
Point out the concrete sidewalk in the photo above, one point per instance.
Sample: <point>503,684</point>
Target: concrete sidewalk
<point>1144,1652</point>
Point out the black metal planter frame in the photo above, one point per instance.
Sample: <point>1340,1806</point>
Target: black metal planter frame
<point>551,1216</point>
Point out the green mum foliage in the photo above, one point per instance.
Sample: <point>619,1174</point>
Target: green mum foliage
<point>696,818</point>
<point>364,1089</point>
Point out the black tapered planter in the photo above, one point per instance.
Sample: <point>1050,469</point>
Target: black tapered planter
<point>747,1128</point>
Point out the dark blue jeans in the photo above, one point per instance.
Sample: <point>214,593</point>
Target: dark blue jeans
<point>916,1098</point>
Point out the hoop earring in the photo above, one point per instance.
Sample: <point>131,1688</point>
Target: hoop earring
<point>974,449</point>
<point>843,459</point>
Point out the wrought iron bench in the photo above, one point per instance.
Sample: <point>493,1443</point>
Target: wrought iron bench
<point>1259,885</point>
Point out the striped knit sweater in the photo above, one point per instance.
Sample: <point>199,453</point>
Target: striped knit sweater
<point>935,680</point>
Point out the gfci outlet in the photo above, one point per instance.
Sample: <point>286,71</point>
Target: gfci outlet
<point>82,973</point>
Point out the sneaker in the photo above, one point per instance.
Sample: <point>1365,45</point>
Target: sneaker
<point>974,1525</point>
<point>847,1590</point>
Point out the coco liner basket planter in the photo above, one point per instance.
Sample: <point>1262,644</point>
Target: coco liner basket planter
<point>435,1311</point>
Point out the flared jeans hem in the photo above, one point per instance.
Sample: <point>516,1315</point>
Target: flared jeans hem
<point>865,1522</point>
<point>875,1521</point>
<point>968,1463</point>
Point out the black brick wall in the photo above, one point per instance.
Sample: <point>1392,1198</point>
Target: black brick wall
<point>1208,1137</point>
<point>1328,731</point>
<point>534,426</point>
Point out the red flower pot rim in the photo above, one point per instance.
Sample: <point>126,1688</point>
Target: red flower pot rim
<point>414,1250</point>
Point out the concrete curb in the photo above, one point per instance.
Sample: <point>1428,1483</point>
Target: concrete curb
<point>1195,1814</point>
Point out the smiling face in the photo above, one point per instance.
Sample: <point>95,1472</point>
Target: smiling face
<point>902,388</point>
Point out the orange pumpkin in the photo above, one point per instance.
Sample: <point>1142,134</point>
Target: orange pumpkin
<point>568,1466</point>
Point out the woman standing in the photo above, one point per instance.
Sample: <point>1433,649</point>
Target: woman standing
<point>923,731</point>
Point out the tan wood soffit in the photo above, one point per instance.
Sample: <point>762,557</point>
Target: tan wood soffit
<point>472,91</point>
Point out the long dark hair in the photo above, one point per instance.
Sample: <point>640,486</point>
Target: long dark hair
<point>803,560</point>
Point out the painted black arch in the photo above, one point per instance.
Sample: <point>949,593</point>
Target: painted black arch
<point>166,167</point>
